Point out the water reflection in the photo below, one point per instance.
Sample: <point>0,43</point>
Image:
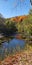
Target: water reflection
<point>11,46</point>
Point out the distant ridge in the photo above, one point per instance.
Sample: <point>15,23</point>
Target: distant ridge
<point>17,18</point>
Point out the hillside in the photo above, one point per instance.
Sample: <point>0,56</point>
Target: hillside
<point>17,18</point>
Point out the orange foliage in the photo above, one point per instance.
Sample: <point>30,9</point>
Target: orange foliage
<point>18,18</point>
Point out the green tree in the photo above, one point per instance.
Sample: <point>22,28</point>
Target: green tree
<point>2,22</point>
<point>10,27</point>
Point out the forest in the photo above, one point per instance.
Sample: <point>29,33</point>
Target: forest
<point>9,27</point>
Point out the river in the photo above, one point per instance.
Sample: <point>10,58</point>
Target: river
<point>11,46</point>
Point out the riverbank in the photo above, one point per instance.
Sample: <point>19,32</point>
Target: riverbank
<point>22,58</point>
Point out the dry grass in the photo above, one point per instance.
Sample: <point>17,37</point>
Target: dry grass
<point>22,58</point>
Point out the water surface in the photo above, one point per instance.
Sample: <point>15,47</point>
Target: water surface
<point>7,47</point>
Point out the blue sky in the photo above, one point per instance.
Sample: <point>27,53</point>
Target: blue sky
<point>11,8</point>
